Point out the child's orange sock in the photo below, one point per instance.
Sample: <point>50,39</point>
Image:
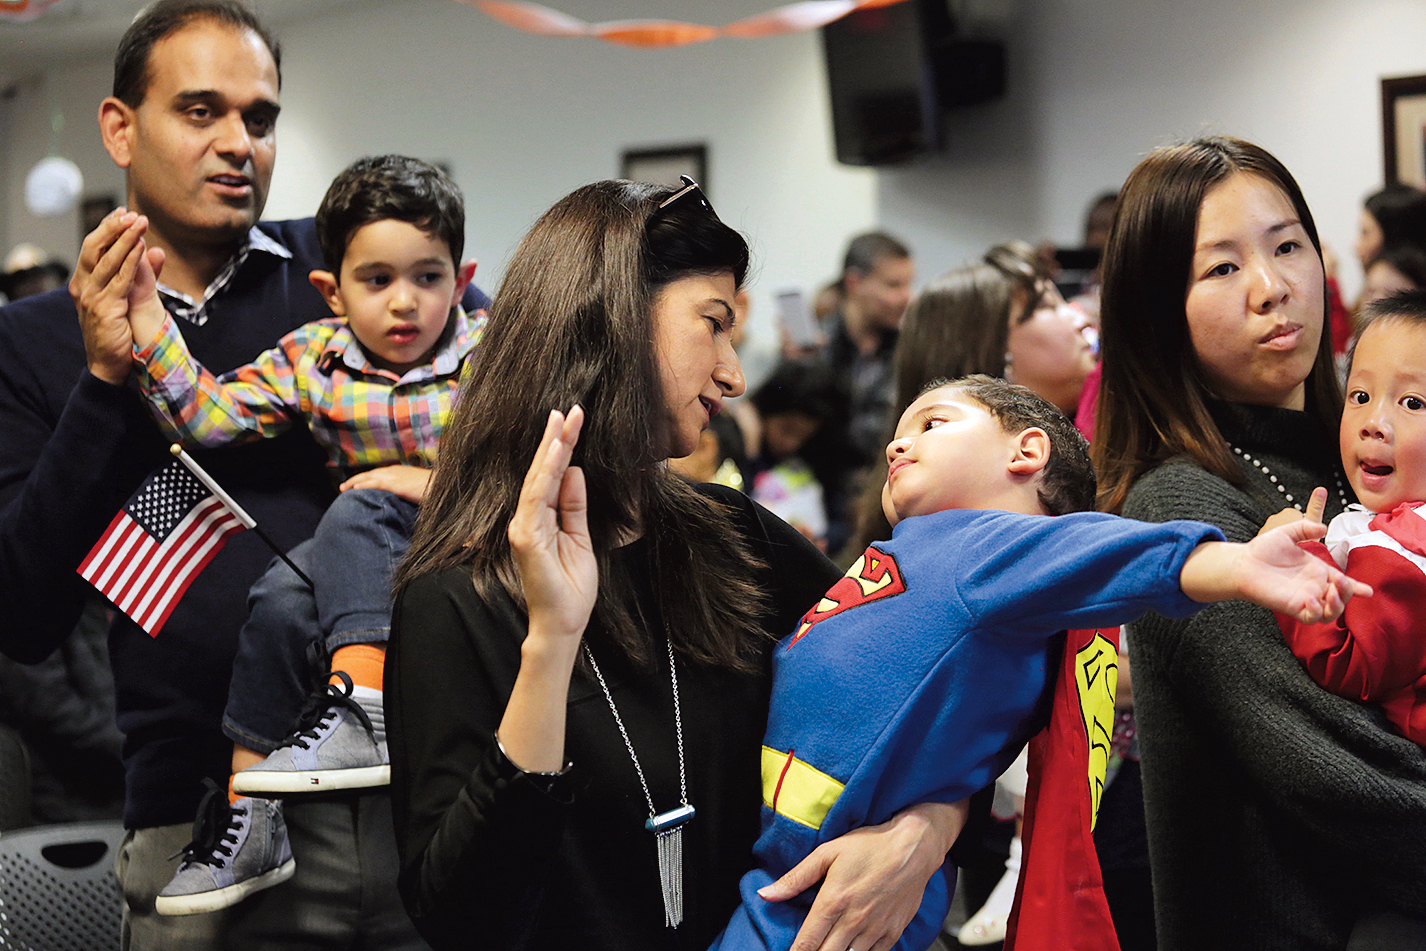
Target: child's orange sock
<point>365,664</point>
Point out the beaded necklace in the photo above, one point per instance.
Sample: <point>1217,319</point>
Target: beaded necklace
<point>1257,464</point>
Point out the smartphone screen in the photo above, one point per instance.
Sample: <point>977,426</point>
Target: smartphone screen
<point>797,320</point>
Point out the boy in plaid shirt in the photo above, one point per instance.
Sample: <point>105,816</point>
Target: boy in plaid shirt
<point>375,386</point>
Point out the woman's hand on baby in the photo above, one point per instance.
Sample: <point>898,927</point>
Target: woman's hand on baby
<point>873,879</point>
<point>1276,572</point>
<point>549,534</point>
<point>1316,506</point>
<point>409,482</point>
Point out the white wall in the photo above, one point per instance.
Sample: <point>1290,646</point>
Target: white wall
<point>1094,85</point>
<point>1098,83</point>
<point>523,120</point>
<point>71,96</point>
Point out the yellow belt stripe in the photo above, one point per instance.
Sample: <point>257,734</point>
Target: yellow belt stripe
<point>806,793</point>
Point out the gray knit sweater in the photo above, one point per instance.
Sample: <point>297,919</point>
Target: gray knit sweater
<point>1277,812</point>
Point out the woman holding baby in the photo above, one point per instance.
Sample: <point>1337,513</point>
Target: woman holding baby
<point>1280,816</point>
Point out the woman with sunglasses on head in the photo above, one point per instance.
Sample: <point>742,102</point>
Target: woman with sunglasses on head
<point>1279,816</point>
<point>567,779</point>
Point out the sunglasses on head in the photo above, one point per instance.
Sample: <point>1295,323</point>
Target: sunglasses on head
<point>690,191</point>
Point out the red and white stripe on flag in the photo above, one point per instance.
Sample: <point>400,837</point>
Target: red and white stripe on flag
<point>157,544</point>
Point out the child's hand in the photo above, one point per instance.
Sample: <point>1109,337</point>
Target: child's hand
<point>146,313</point>
<point>409,482</point>
<point>1316,506</point>
<point>1275,572</point>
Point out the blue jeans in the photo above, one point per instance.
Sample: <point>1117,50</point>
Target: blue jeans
<point>350,560</point>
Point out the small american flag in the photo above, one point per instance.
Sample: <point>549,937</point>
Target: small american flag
<point>158,543</point>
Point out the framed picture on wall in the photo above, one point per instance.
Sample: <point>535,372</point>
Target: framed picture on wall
<point>1403,124</point>
<point>662,166</point>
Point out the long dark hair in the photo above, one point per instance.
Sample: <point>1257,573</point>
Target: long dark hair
<point>1153,398</point>
<point>572,322</point>
<point>960,324</point>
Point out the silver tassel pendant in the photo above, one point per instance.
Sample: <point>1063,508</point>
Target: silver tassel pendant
<point>667,828</point>
<point>670,846</point>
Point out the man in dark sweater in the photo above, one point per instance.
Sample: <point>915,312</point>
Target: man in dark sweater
<point>876,277</point>
<point>860,348</point>
<point>191,120</point>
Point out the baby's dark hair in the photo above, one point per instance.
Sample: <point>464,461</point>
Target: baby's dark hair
<point>1407,306</point>
<point>390,187</point>
<point>1067,482</point>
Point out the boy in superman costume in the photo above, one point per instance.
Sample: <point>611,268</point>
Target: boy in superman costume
<point>918,677</point>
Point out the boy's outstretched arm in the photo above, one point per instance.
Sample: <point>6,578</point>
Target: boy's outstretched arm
<point>193,406</point>
<point>1272,571</point>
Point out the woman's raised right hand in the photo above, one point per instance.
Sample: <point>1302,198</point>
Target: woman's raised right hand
<point>549,534</point>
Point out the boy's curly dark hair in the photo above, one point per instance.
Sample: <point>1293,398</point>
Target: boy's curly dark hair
<point>389,187</point>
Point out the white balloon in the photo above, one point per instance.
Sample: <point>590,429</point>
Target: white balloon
<point>53,187</point>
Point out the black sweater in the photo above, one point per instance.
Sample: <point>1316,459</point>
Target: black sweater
<point>499,864</point>
<point>1277,812</point>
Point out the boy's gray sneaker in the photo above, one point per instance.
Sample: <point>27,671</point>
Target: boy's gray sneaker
<point>236,850</point>
<point>340,743</point>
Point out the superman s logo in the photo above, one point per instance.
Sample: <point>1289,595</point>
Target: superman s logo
<point>875,575</point>
<point>1096,674</point>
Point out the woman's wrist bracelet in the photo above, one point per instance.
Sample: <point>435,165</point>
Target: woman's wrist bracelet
<point>544,776</point>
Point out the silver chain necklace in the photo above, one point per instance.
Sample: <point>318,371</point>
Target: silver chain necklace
<point>1257,464</point>
<point>667,827</point>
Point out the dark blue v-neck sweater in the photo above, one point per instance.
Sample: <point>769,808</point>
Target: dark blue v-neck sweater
<point>73,448</point>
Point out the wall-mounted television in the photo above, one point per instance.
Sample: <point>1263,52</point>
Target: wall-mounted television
<point>893,71</point>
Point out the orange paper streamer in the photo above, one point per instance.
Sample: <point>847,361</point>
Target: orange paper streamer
<point>21,11</point>
<point>649,34</point>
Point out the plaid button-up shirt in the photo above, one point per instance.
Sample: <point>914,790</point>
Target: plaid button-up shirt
<point>195,312</point>
<point>318,375</point>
